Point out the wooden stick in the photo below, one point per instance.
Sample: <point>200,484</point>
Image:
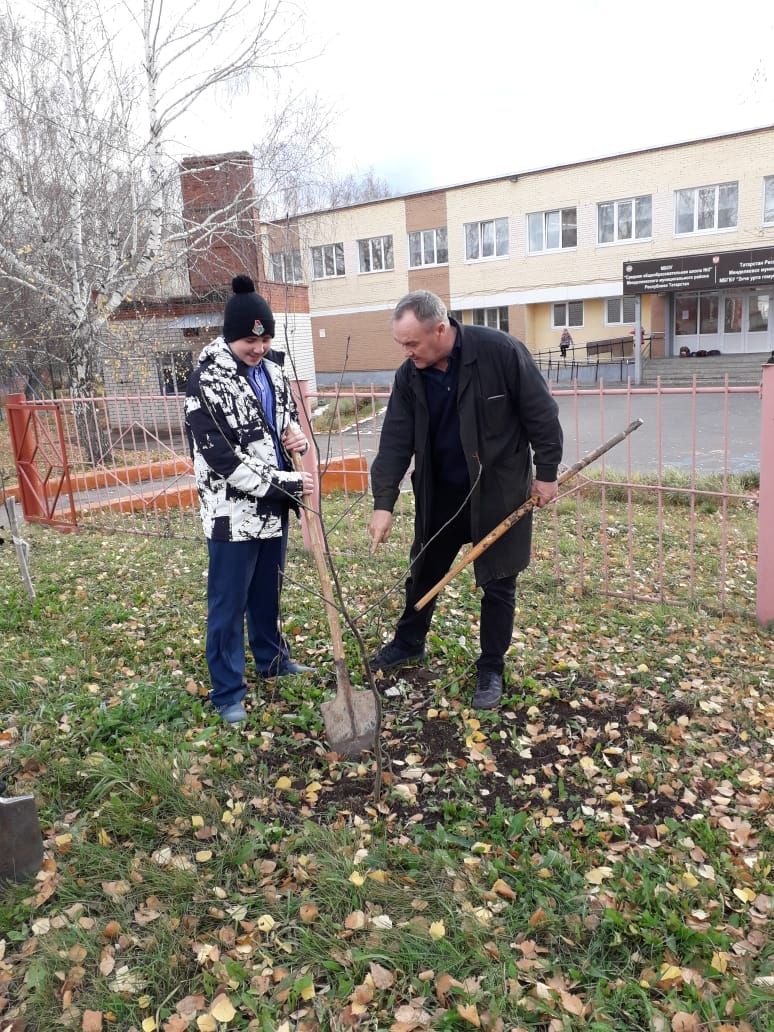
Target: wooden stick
<point>523,509</point>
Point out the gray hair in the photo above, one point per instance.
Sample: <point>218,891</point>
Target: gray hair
<point>425,305</point>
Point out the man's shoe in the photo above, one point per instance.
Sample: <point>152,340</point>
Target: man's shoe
<point>390,656</point>
<point>489,690</point>
<point>291,669</point>
<point>233,714</point>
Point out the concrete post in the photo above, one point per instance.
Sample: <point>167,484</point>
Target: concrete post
<point>637,339</point>
<point>765,599</point>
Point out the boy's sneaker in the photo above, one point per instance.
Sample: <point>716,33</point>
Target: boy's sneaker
<point>233,714</point>
<point>289,669</point>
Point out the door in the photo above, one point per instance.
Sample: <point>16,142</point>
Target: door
<point>757,323</point>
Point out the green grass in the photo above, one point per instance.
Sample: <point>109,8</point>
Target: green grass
<point>341,413</point>
<point>597,851</point>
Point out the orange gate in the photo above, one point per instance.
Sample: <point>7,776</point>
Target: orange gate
<point>40,455</point>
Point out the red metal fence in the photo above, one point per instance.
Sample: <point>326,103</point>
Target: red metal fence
<point>690,476</point>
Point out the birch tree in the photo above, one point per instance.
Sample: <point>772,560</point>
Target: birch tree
<point>90,97</point>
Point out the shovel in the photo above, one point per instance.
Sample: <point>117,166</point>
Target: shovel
<point>528,506</point>
<point>350,717</point>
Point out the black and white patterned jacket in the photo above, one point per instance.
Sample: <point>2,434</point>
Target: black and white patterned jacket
<point>243,493</point>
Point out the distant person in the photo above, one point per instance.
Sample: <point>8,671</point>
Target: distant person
<point>464,396</point>
<point>242,426</point>
<point>565,342</point>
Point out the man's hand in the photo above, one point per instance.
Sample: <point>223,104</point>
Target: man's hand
<point>307,481</point>
<point>379,528</point>
<point>544,491</point>
<point>293,439</point>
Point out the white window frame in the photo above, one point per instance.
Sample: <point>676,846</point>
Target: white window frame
<point>695,231</point>
<point>322,248</point>
<point>495,318</point>
<point>292,257</point>
<point>630,239</point>
<point>376,243</point>
<point>421,234</point>
<point>768,188</point>
<point>620,321</point>
<point>496,255</point>
<point>544,249</point>
<point>566,305</point>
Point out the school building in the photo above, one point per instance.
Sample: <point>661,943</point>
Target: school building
<point>597,247</point>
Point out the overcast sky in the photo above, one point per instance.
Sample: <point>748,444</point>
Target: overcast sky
<point>432,93</point>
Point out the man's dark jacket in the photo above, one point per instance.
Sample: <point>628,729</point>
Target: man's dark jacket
<point>504,408</point>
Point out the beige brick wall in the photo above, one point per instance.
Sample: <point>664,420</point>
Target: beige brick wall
<point>376,290</point>
<point>371,345</point>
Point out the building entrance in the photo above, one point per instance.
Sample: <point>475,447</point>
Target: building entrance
<point>731,322</point>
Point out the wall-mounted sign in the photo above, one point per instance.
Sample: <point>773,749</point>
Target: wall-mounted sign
<point>724,269</point>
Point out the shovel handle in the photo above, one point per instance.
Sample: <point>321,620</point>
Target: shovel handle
<point>315,536</point>
<point>523,509</point>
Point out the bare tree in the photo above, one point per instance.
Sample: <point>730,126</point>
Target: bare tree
<point>319,189</point>
<point>89,99</point>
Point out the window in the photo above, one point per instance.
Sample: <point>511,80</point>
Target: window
<point>619,310</point>
<point>552,230</point>
<point>768,201</point>
<point>567,313</point>
<point>286,267</point>
<point>758,319</point>
<point>497,318</point>
<point>376,254</point>
<point>624,220</point>
<point>428,247</point>
<point>328,260</point>
<point>686,314</point>
<point>486,239</point>
<point>174,368</point>
<point>706,208</point>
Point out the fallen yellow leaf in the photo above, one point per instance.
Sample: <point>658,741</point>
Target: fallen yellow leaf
<point>468,1012</point>
<point>437,930</point>
<point>222,1009</point>
<point>720,961</point>
<point>598,874</point>
<point>746,895</point>
<point>502,888</point>
<point>283,784</point>
<point>308,912</point>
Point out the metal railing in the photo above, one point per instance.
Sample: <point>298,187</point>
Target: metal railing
<point>689,477</point>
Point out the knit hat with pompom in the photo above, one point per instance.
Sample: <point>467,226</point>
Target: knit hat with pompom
<point>247,314</point>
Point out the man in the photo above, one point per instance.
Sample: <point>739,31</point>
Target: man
<point>242,424</point>
<point>467,404</point>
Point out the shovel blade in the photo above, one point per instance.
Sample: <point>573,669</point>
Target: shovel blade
<point>22,843</point>
<point>350,732</point>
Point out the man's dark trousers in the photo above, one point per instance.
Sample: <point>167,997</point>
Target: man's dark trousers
<point>497,606</point>
<point>244,577</point>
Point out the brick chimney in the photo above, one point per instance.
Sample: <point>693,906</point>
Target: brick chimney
<point>219,192</point>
